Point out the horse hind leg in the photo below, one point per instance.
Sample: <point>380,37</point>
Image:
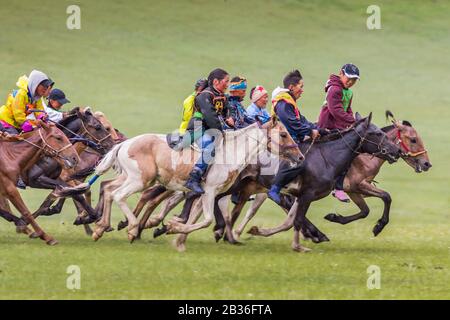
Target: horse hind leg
<point>120,196</point>
<point>180,241</point>
<point>286,225</point>
<point>254,207</point>
<point>107,187</point>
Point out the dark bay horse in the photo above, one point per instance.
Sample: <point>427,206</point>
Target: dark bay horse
<point>17,157</point>
<point>48,174</point>
<point>326,159</point>
<point>359,180</point>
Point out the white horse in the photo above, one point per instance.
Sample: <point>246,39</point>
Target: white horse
<point>146,159</point>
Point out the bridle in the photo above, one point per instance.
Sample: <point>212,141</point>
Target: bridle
<point>408,153</point>
<point>86,131</point>
<point>362,140</point>
<point>47,148</point>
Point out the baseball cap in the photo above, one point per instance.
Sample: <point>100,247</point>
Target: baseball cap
<point>59,96</point>
<point>350,70</point>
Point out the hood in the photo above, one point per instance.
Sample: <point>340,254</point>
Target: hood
<point>34,79</point>
<point>334,80</point>
<point>277,91</point>
<point>22,83</point>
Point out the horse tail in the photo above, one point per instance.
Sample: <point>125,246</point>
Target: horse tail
<point>109,160</point>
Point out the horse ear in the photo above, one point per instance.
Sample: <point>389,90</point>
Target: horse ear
<point>74,111</point>
<point>88,111</point>
<point>357,116</point>
<point>406,123</point>
<point>79,113</point>
<point>368,120</point>
<point>274,120</point>
<point>44,125</point>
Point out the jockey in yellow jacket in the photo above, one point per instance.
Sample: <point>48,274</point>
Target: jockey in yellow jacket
<point>20,111</point>
<point>188,104</point>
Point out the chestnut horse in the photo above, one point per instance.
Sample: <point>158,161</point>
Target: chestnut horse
<point>17,157</point>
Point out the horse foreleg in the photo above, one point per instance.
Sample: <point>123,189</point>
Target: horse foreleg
<point>106,189</point>
<point>15,198</point>
<point>180,241</point>
<point>153,204</point>
<point>254,207</point>
<point>145,197</point>
<point>286,225</point>
<point>207,199</point>
<point>223,207</point>
<point>168,205</point>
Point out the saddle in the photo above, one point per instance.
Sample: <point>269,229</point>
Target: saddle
<point>179,142</point>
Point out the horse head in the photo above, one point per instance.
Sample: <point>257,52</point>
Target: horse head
<point>108,126</point>
<point>93,129</point>
<point>411,144</point>
<point>56,144</point>
<point>374,141</point>
<point>280,142</point>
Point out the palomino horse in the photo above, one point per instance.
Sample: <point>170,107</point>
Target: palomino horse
<point>146,159</point>
<point>326,159</point>
<point>17,157</point>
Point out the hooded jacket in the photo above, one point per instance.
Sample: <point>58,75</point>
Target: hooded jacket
<point>285,107</point>
<point>336,112</point>
<point>211,107</point>
<point>15,112</point>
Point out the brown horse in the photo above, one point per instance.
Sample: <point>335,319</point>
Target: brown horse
<point>358,181</point>
<point>17,157</point>
<point>97,128</point>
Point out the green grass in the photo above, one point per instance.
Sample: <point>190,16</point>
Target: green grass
<point>137,61</point>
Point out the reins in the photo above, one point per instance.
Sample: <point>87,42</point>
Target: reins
<point>48,149</point>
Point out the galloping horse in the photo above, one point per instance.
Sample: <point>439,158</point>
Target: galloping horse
<point>17,157</point>
<point>143,160</point>
<point>358,181</point>
<point>325,160</point>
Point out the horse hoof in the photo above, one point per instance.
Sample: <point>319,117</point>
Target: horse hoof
<point>132,237</point>
<point>109,229</point>
<point>253,231</point>
<point>378,228</point>
<point>180,247</point>
<point>235,243</point>
<point>323,238</point>
<point>159,231</point>
<point>52,242</point>
<point>121,225</point>
<point>96,236</point>
<point>218,235</point>
<point>301,249</point>
<point>333,217</point>
<point>34,235</point>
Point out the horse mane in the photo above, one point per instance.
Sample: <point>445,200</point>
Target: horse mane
<point>337,135</point>
<point>232,134</point>
<point>65,122</point>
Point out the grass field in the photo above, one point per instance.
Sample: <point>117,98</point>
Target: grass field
<point>138,60</point>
